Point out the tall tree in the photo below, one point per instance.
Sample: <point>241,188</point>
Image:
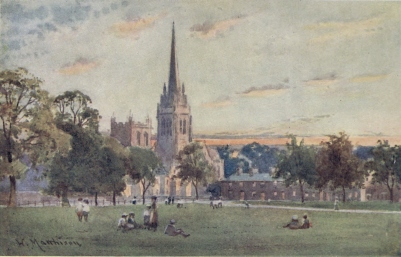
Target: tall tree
<point>111,173</point>
<point>262,156</point>
<point>337,165</point>
<point>385,166</point>
<point>142,166</point>
<point>73,110</point>
<point>193,167</point>
<point>297,165</point>
<point>21,104</point>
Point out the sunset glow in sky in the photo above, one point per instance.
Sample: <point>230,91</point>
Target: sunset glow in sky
<point>249,67</point>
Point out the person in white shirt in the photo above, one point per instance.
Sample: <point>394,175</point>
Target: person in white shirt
<point>79,209</point>
<point>122,222</point>
<point>85,209</point>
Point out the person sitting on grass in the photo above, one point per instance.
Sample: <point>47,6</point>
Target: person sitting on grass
<point>246,204</point>
<point>170,230</point>
<point>293,224</point>
<point>131,221</point>
<point>305,222</point>
<point>122,222</point>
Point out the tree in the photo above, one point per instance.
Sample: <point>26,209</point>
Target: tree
<point>337,166</point>
<point>193,167</point>
<point>21,105</point>
<point>111,172</point>
<point>263,157</point>
<point>73,110</point>
<point>297,165</point>
<point>385,166</point>
<point>142,165</point>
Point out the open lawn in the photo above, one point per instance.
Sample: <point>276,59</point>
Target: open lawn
<point>226,231</point>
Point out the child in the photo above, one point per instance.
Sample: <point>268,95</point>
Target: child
<point>85,209</point>
<point>146,216</point>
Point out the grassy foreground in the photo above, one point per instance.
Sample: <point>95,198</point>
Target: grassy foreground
<point>227,231</point>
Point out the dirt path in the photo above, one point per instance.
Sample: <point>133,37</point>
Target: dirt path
<point>231,204</point>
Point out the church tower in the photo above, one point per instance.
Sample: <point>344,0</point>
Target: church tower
<point>174,120</point>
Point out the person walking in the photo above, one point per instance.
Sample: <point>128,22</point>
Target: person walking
<point>336,204</point>
<point>79,209</point>
<point>153,214</point>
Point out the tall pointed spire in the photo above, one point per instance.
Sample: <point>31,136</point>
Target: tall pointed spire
<point>173,82</point>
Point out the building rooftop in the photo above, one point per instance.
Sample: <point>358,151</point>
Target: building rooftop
<point>247,177</point>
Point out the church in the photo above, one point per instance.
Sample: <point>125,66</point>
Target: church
<point>174,131</point>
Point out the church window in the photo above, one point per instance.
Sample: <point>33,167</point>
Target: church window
<point>138,138</point>
<point>146,137</point>
<point>181,126</point>
<point>163,127</point>
<point>170,128</point>
<point>184,130</point>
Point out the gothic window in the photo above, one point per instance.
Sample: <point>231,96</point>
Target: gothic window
<point>184,131</point>
<point>138,138</point>
<point>163,127</point>
<point>146,137</point>
<point>181,126</point>
<point>170,128</point>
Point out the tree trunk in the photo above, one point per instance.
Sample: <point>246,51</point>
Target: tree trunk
<point>12,200</point>
<point>343,194</point>
<point>301,186</point>
<point>143,193</point>
<point>64,198</point>
<point>391,194</point>
<point>95,198</point>
<point>196,191</point>
<point>114,198</point>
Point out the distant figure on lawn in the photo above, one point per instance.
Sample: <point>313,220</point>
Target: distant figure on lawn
<point>305,222</point>
<point>153,214</point>
<point>134,200</point>
<point>146,216</point>
<point>170,230</point>
<point>122,222</point>
<point>172,200</point>
<point>85,209</point>
<point>246,204</point>
<point>131,223</point>
<point>169,199</point>
<point>293,224</point>
<point>79,209</point>
<point>336,204</point>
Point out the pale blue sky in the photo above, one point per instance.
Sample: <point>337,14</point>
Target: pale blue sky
<point>259,67</point>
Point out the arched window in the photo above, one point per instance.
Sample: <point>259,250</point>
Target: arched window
<point>170,127</point>
<point>163,128</point>
<point>181,126</point>
<point>184,129</point>
<point>146,137</point>
<point>138,138</point>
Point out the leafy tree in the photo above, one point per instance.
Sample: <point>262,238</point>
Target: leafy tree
<point>385,165</point>
<point>111,172</point>
<point>262,156</point>
<point>142,165</point>
<point>22,103</point>
<point>73,110</point>
<point>193,166</point>
<point>337,166</point>
<point>297,165</point>
<point>232,165</point>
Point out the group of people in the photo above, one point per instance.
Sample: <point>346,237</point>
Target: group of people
<point>169,200</point>
<point>82,209</point>
<point>294,224</point>
<point>150,221</point>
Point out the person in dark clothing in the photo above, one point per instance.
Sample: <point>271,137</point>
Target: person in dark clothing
<point>305,222</point>
<point>172,200</point>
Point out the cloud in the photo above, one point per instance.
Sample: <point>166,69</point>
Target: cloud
<point>368,78</point>
<point>211,30</point>
<point>322,81</point>
<point>344,30</point>
<point>219,103</point>
<point>264,91</point>
<point>133,27</point>
<point>81,65</point>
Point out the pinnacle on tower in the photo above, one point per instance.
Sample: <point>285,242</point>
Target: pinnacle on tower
<point>173,82</point>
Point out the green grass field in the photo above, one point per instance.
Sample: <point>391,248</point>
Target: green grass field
<point>227,231</point>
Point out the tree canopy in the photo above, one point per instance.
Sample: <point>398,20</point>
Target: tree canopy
<point>297,165</point>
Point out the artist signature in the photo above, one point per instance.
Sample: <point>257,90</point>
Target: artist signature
<point>43,243</point>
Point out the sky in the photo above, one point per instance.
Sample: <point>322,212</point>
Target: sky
<point>262,68</point>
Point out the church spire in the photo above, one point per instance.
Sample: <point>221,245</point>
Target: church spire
<point>173,82</point>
